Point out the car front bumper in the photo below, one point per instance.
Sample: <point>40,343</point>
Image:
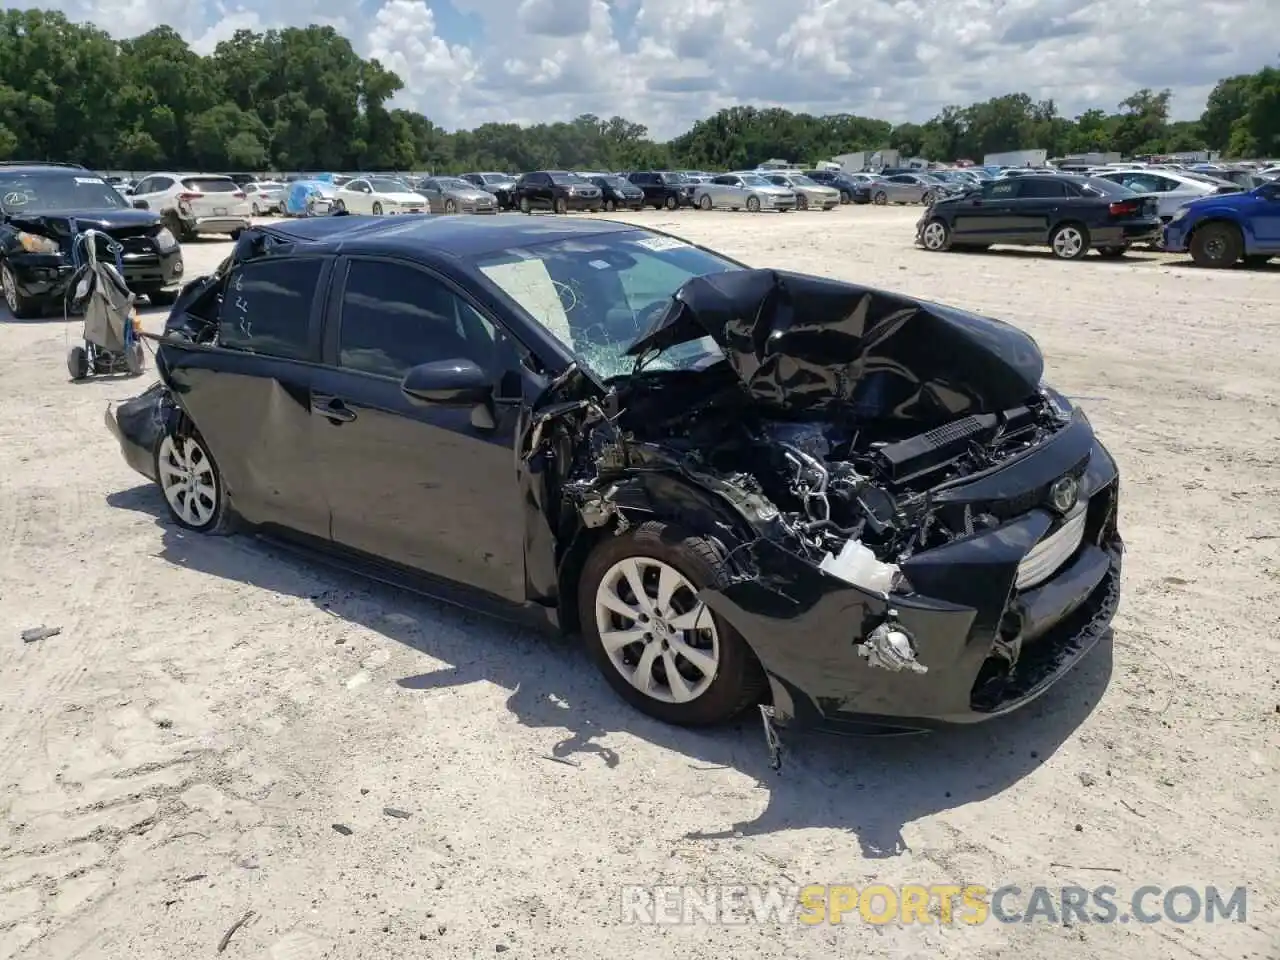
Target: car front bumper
<point>44,277</point>
<point>965,614</point>
<point>1176,236</point>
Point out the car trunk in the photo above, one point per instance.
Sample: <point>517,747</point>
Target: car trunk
<point>213,197</point>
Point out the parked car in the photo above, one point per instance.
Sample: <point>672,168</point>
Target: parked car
<point>743,191</point>
<point>194,203</point>
<point>1069,214</point>
<point>455,195</point>
<point>468,418</point>
<point>378,196</point>
<point>904,188</point>
<point>619,193</point>
<point>501,185</point>
<point>664,188</point>
<point>40,206</point>
<point>265,197</point>
<point>810,195</point>
<point>851,190</point>
<point>557,190</point>
<point>1171,190</point>
<point>1223,229</point>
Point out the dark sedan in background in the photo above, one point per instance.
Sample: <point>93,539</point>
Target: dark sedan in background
<point>579,420</point>
<point>852,190</point>
<point>619,193</point>
<point>43,205</point>
<point>1069,214</point>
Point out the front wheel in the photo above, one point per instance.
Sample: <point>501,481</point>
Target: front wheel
<point>610,206</point>
<point>656,643</point>
<point>936,236</point>
<point>802,202</point>
<point>22,307</point>
<point>450,207</point>
<point>377,209</point>
<point>339,206</point>
<point>1070,241</point>
<point>846,196</point>
<point>672,203</point>
<point>753,204</point>
<point>880,198</point>
<point>1217,245</point>
<point>257,210</point>
<point>524,205</point>
<point>562,205</point>
<point>192,484</point>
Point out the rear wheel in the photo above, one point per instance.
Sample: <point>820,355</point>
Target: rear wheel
<point>705,202</point>
<point>450,207</point>
<point>1070,241</point>
<point>377,209</point>
<point>192,484</point>
<point>656,643</point>
<point>880,198</point>
<point>1217,245</point>
<point>672,203</point>
<point>562,205</point>
<point>846,196</point>
<point>339,206</point>
<point>802,202</point>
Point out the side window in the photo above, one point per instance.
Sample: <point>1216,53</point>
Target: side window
<point>144,186</point>
<point>159,184</point>
<point>1001,190</point>
<point>395,317</point>
<point>1037,188</point>
<point>724,181</point>
<point>267,307</point>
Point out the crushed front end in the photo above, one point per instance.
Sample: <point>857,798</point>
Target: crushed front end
<point>920,531</point>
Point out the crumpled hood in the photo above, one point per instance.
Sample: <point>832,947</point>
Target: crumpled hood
<point>58,222</point>
<point>804,344</point>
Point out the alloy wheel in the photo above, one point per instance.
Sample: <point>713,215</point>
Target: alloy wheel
<point>935,235</point>
<point>188,480</point>
<point>1068,242</point>
<point>10,288</point>
<point>658,635</point>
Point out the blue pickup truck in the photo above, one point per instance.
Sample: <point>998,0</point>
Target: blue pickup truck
<point>1222,229</point>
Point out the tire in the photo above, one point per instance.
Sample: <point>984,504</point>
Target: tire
<point>705,202</point>
<point>802,202</point>
<point>672,203</point>
<point>209,512</point>
<point>525,206</point>
<point>929,198</point>
<point>257,210</point>
<point>880,198</point>
<point>339,206</point>
<point>1113,253</point>
<point>376,209</point>
<point>561,205</point>
<point>753,204</point>
<point>1069,241</point>
<point>610,206</point>
<point>178,228</point>
<point>77,363</point>
<point>450,207</point>
<point>846,197</point>
<point>936,236</point>
<point>736,680</point>
<point>22,308</point>
<point>1217,245</point>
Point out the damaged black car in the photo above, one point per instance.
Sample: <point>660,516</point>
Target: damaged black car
<point>742,487</point>
<point>45,206</point>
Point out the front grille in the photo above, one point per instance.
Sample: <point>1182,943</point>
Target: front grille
<point>1047,557</point>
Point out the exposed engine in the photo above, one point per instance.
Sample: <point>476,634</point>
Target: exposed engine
<point>855,497</point>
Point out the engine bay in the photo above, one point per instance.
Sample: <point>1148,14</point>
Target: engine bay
<point>835,481</point>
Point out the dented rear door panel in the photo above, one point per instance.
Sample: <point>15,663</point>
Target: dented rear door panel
<point>254,413</point>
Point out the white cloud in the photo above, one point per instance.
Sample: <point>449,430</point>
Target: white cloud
<point>666,63</point>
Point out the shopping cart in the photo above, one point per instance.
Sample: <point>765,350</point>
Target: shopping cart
<point>97,288</point>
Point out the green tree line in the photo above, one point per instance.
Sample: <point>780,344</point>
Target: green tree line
<point>303,99</point>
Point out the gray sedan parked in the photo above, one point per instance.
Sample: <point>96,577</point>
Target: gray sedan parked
<point>455,195</point>
<point>739,191</point>
<point>810,194</point>
<point>905,188</point>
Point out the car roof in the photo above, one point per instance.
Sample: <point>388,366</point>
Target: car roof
<point>440,235</point>
<point>36,166</point>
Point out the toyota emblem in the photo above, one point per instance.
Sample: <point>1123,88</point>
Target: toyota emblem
<point>1064,493</point>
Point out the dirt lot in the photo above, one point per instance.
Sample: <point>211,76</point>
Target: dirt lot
<point>181,752</point>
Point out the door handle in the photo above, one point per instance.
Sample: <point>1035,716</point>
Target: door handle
<point>332,408</point>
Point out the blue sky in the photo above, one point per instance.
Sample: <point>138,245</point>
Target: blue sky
<point>666,63</point>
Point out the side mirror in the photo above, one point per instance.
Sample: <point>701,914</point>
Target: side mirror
<point>140,205</point>
<point>449,383</point>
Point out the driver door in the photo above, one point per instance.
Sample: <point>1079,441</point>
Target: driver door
<point>431,488</point>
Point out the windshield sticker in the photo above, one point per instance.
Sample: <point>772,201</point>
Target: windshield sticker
<point>599,264</point>
<point>658,244</point>
<point>528,283</point>
<point>89,180</point>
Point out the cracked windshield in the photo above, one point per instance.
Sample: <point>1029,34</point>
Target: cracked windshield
<point>598,295</point>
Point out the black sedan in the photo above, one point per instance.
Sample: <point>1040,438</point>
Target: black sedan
<point>43,206</point>
<point>1069,214</point>
<point>619,193</point>
<point>854,508</point>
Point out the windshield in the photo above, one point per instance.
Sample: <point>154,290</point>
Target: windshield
<point>567,179</point>
<point>497,178</point>
<point>598,295</point>
<point>451,183</point>
<point>803,180</point>
<point>43,192</point>
<point>616,182</point>
<point>751,180</point>
<point>388,185</point>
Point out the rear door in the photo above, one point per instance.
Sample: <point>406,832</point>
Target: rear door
<point>250,397</point>
<point>1037,207</point>
<point>428,487</point>
<point>1264,217</point>
<point>985,217</point>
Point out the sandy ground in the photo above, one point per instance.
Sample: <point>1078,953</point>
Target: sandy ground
<point>180,753</point>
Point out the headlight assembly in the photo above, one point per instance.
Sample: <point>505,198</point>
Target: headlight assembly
<point>34,243</point>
